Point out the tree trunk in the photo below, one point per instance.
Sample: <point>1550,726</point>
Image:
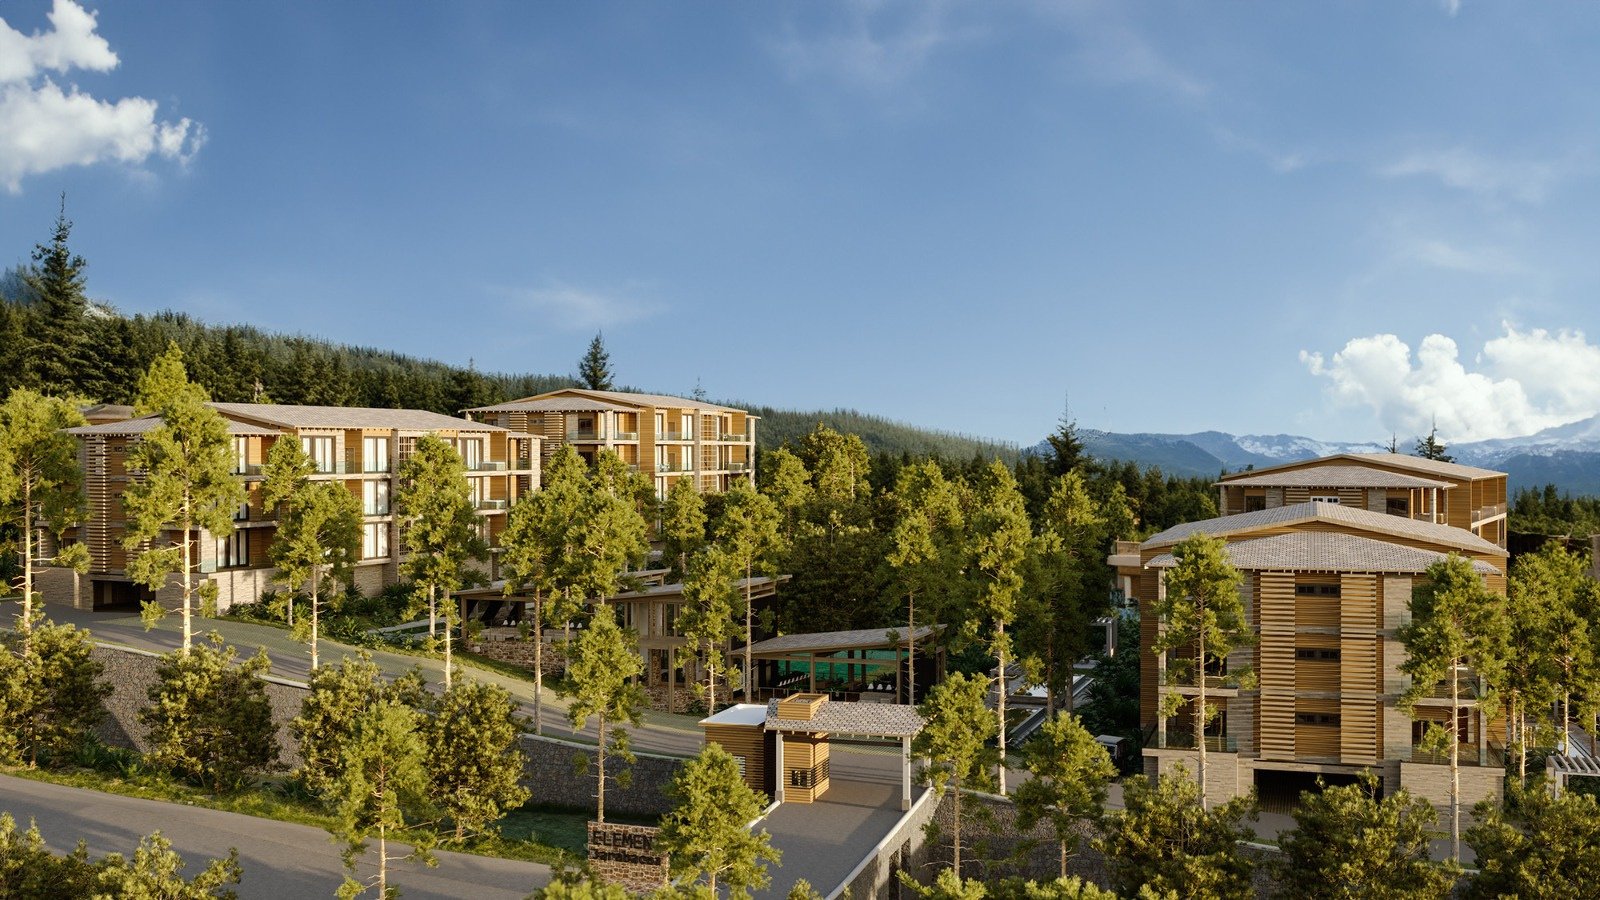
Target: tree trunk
<point>433,615</point>
<point>1455,764</point>
<point>383,860</point>
<point>749,636</point>
<point>1050,677</point>
<point>711,681</point>
<point>1566,716</point>
<point>315,579</point>
<point>1001,705</point>
<point>538,662</point>
<point>449,614</point>
<point>1200,715</point>
<point>188,627</point>
<point>957,829</point>
<point>911,647</point>
<point>27,565</point>
<point>600,772</point>
<point>1063,859</point>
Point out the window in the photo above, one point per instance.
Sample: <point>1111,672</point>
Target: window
<point>1330,720</point>
<point>233,551</point>
<point>375,540</point>
<point>1255,502</point>
<point>320,449</point>
<point>241,455</point>
<point>375,454</point>
<point>1397,506</point>
<point>242,512</point>
<point>1316,590</point>
<point>1316,654</point>
<point>472,453</point>
<point>688,427</point>
<point>475,491</point>
<point>1325,498</point>
<point>375,498</point>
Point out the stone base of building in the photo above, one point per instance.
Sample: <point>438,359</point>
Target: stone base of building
<point>1227,776</point>
<point>1431,782</point>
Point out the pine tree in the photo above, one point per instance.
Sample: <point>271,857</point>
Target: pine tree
<point>594,369</point>
<point>187,481</point>
<point>319,529</point>
<point>747,530</point>
<point>57,356</point>
<point>156,872</point>
<point>473,735</point>
<point>1066,584</point>
<point>1001,539</point>
<point>954,740</point>
<point>381,787</point>
<point>604,663</point>
<point>338,697</point>
<point>1430,448</point>
<point>1536,845</point>
<point>1166,844</point>
<point>710,588</point>
<point>29,869</point>
<point>439,529</point>
<point>51,695</point>
<point>1456,622</point>
<point>210,721</point>
<point>927,543</point>
<point>683,525</point>
<point>1070,770</point>
<point>1203,612</point>
<point>1066,448</point>
<point>40,482</point>
<point>706,836</point>
<point>784,478</point>
<point>1349,845</point>
<point>609,535</point>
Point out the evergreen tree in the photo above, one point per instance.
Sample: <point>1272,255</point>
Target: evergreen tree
<point>609,535</point>
<point>710,588</point>
<point>40,482</point>
<point>594,369</point>
<point>1203,615</point>
<point>319,529</point>
<point>706,836</point>
<point>1066,584</point>
<point>338,698</point>
<point>683,525</point>
<point>156,873</point>
<point>1066,448</point>
<point>439,529</point>
<point>1456,622</point>
<point>1070,770</point>
<point>1537,845</point>
<point>1001,539</point>
<point>51,695</point>
<point>534,548</point>
<point>954,739</point>
<point>784,478</point>
<point>187,482</point>
<point>747,530</point>
<point>28,868</point>
<point>57,356</point>
<point>473,735</point>
<point>600,682</point>
<point>1166,844</point>
<point>1349,845</point>
<point>1430,448</point>
<point>381,787</point>
<point>210,721</point>
<point>1550,607</point>
<point>927,543</point>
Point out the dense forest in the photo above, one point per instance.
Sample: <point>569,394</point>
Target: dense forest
<point>1545,511</point>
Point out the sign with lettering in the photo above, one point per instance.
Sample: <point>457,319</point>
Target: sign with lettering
<point>626,855</point>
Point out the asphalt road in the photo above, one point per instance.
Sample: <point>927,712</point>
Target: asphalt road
<point>280,860</point>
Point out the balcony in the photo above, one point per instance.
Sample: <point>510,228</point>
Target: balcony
<point>1484,513</point>
<point>735,466</point>
<point>625,436</point>
<point>524,462</point>
<point>583,435</point>
<point>672,467</point>
<point>733,436</point>
<point>1183,739</point>
<point>1216,685</point>
<point>484,466</point>
<point>489,505</point>
<point>249,470</point>
<point>676,436</point>
<point>1493,756</point>
<point>1439,694</point>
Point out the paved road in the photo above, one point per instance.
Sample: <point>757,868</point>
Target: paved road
<point>823,842</point>
<point>280,860</point>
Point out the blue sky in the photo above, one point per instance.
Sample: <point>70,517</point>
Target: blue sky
<point>1339,220</point>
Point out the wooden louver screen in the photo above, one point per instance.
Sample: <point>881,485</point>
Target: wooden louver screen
<point>1276,610</point>
<point>1358,674</point>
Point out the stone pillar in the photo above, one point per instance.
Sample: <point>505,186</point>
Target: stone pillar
<point>777,763</point>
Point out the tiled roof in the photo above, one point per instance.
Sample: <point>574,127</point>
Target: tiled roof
<point>840,717</point>
<point>554,404</point>
<point>832,641</point>
<point>1333,477</point>
<point>622,400</point>
<point>1433,466</point>
<point>1321,551</point>
<point>150,423</point>
<point>287,416</point>
<point>1384,523</point>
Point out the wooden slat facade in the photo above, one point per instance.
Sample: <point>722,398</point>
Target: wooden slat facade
<point>1277,673</point>
<point>747,743</point>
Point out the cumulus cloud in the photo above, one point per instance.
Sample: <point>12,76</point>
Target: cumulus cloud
<point>1521,382</point>
<point>581,308</point>
<point>44,127</point>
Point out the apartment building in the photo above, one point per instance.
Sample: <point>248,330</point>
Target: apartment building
<point>360,448</point>
<point>1327,581</point>
<point>667,437</point>
<point>1465,497</point>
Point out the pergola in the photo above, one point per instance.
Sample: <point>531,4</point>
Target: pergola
<point>1558,767</point>
<point>851,649</point>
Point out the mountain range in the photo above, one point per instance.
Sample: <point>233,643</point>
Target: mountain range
<point>1567,456</point>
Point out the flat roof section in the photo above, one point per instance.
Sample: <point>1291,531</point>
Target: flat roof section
<point>739,714</point>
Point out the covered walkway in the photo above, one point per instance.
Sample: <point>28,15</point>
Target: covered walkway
<point>823,842</point>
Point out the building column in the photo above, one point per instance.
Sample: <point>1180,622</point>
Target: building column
<point>777,763</point>
<point>905,773</point>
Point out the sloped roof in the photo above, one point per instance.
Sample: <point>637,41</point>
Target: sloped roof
<point>1333,477</point>
<point>145,424</point>
<point>841,717</point>
<point>1321,551</point>
<point>1452,471</point>
<point>287,416</point>
<point>1355,517</point>
<point>554,404</point>
<point>833,641</point>
<point>622,399</point>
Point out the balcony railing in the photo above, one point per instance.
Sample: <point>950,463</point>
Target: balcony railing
<point>1183,739</point>
<point>489,504</point>
<point>732,436</point>
<point>524,462</point>
<point>735,466</point>
<point>1492,757</point>
<point>671,467</point>
<point>1213,682</point>
<point>676,436</point>
<point>1488,512</point>
<point>1468,690</point>
<point>249,470</point>
<point>625,436</point>
<point>583,435</point>
<point>486,466</point>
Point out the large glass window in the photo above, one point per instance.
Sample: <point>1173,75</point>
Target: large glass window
<point>320,449</point>
<point>233,551</point>
<point>375,498</point>
<point>375,454</point>
<point>241,455</point>
<point>375,540</point>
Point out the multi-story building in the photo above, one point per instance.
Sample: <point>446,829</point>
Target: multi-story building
<point>666,437</point>
<point>360,448</point>
<point>1329,563</point>
<point>1465,497</point>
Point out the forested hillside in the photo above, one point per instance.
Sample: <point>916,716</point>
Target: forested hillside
<point>881,435</point>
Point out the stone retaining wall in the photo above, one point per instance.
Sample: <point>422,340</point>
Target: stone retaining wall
<point>557,775</point>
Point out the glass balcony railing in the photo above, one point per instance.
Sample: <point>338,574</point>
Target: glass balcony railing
<point>625,436</point>
<point>490,505</point>
<point>671,467</point>
<point>524,462</point>
<point>732,436</point>
<point>735,466</point>
<point>676,436</point>
<point>486,466</point>
<point>1492,757</point>
<point>249,470</point>
<point>1183,739</point>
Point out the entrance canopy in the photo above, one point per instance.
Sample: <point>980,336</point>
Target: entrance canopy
<point>866,664</point>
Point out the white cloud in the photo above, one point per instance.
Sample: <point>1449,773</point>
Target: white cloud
<point>1451,7</point>
<point>1440,254</point>
<point>44,128</point>
<point>579,308</point>
<point>877,47</point>
<point>1462,169</point>
<point>1525,381</point>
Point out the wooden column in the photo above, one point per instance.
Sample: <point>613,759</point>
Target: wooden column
<point>905,773</point>
<point>777,762</point>
<point>813,688</point>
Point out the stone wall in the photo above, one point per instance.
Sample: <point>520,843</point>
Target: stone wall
<point>1226,778</point>
<point>132,673</point>
<point>558,776</point>
<point>1431,782</point>
<point>879,874</point>
<point>626,855</point>
<point>508,646</point>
